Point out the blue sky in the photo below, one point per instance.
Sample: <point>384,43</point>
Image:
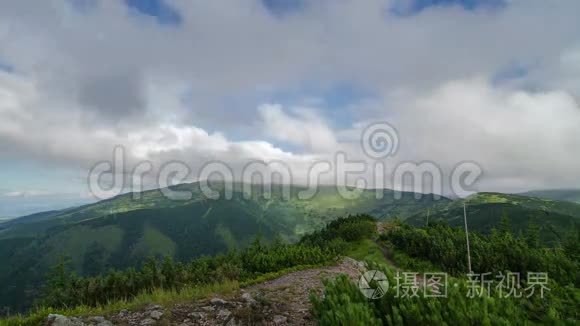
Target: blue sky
<point>283,8</point>
<point>5,66</point>
<point>411,7</point>
<point>512,71</point>
<point>333,100</point>
<point>165,14</point>
<point>161,10</point>
<point>23,175</point>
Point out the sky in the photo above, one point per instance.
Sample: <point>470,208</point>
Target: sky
<point>495,82</point>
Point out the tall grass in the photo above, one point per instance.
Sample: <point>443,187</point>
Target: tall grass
<point>158,296</point>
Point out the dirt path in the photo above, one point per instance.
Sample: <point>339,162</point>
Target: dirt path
<point>382,228</point>
<point>282,301</point>
<point>289,294</point>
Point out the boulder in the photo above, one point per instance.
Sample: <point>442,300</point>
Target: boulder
<point>279,320</point>
<point>60,320</point>
<point>156,314</point>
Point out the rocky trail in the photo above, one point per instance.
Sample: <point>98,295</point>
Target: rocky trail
<point>282,301</point>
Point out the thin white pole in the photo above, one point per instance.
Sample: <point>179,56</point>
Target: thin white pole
<point>428,213</point>
<point>467,237</point>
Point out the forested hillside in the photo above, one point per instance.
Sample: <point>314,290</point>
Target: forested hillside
<point>555,220</point>
<point>66,290</point>
<point>396,250</point>
<point>468,300</point>
<point>122,232</point>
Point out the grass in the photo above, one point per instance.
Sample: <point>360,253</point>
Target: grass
<point>404,262</point>
<point>366,250</point>
<point>159,296</point>
<point>154,243</point>
<point>370,251</point>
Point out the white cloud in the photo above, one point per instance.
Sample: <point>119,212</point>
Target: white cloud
<point>522,139</point>
<point>27,193</point>
<point>306,129</point>
<point>87,82</point>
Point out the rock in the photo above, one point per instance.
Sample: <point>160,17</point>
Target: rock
<point>248,298</point>
<point>208,308</point>
<point>154,307</point>
<point>218,302</point>
<point>279,320</point>
<point>147,322</point>
<point>196,315</point>
<point>123,312</point>
<point>224,314</point>
<point>232,322</point>
<point>359,265</point>
<point>156,314</point>
<point>99,321</point>
<point>60,320</point>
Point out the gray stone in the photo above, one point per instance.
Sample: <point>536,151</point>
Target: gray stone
<point>147,322</point>
<point>248,298</point>
<point>208,308</point>
<point>99,321</point>
<point>224,314</point>
<point>197,315</point>
<point>218,301</point>
<point>156,314</point>
<point>279,320</point>
<point>233,322</point>
<point>60,320</point>
<point>154,307</point>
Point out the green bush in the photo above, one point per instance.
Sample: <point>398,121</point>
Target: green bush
<point>65,289</point>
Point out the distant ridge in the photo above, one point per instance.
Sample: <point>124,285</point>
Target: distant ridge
<point>571,195</point>
<point>485,210</point>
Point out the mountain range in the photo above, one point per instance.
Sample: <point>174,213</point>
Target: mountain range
<point>554,219</point>
<point>572,195</point>
<point>122,232</point>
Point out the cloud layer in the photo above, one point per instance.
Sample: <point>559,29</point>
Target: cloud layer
<point>498,85</point>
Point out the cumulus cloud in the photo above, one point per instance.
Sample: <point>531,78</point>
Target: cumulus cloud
<point>522,139</point>
<point>87,80</point>
<point>306,129</point>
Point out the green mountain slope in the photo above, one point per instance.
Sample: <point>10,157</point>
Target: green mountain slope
<point>327,201</point>
<point>484,211</point>
<point>572,195</point>
<point>121,232</point>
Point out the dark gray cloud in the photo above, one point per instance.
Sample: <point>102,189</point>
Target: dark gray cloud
<point>114,95</point>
